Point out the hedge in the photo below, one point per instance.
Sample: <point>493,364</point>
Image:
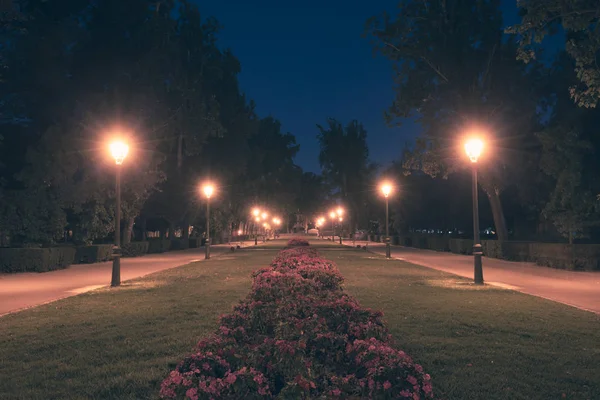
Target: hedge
<point>135,249</point>
<point>180,244</point>
<point>93,254</point>
<point>579,257</point>
<point>158,245</point>
<point>36,259</point>
<point>195,243</point>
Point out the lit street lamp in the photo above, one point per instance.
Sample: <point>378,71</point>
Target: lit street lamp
<point>332,215</point>
<point>256,213</point>
<point>341,219</point>
<point>473,148</point>
<point>119,151</point>
<point>386,189</point>
<point>208,190</point>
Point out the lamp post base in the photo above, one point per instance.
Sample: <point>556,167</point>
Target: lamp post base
<point>477,264</point>
<point>116,271</point>
<point>388,250</point>
<point>207,249</point>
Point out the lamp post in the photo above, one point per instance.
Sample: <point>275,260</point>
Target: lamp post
<point>256,213</point>
<point>264,218</point>
<point>473,148</point>
<point>386,189</point>
<point>208,190</point>
<point>332,216</point>
<point>340,212</point>
<point>119,151</point>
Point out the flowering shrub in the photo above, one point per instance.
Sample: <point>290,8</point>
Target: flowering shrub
<point>298,335</point>
<point>297,242</point>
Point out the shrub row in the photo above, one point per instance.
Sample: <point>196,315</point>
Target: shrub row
<point>297,242</point>
<point>298,335</point>
<point>585,257</point>
<point>48,259</point>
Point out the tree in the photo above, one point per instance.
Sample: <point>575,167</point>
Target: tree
<point>580,21</point>
<point>456,72</point>
<point>311,195</point>
<point>570,146</point>
<point>344,159</point>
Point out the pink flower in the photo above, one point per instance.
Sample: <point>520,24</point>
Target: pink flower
<point>387,385</point>
<point>412,380</point>
<point>230,378</point>
<point>336,392</point>
<point>192,394</point>
<point>206,366</point>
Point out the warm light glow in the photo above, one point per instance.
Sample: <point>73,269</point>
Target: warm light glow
<point>332,214</point>
<point>239,232</point>
<point>386,189</point>
<point>256,212</point>
<point>473,148</point>
<point>341,219</point>
<point>276,221</point>
<point>257,219</point>
<point>340,211</point>
<point>208,190</point>
<point>119,151</point>
<point>264,215</point>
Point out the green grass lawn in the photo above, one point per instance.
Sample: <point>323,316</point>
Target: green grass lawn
<point>479,343</point>
<point>476,343</point>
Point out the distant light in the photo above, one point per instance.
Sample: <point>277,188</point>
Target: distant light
<point>386,189</point>
<point>473,148</point>
<point>119,151</point>
<point>208,189</point>
<point>332,214</point>
<point>239,232</point>
<point>256,212</point>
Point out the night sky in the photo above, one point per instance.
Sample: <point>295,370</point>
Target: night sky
<point>305,61</point>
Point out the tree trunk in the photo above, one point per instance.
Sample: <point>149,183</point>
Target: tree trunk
<point>128,230</point>
<point>171,231</point>
<point>185,233</point>
<point>143,224</point>
<point>498,214</point>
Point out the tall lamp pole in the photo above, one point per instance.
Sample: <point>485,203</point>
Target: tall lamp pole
<point>256,213</point>
<point>386,189</point>
<point>208,190</point>
<point>119,151</point>
<point>332,216</point>
<point>473,148</point>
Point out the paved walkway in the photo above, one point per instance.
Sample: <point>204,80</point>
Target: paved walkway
<point>28,289</point>
<point>577,289</point>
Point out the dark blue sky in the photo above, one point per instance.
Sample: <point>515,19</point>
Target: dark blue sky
<point>305,61</point>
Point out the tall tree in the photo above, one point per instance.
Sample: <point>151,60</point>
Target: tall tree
<point>344,159</point>
<point>580,22</point>
<point>455,71</point>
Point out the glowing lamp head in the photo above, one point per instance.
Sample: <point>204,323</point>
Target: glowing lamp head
<point>340,211</point>
<point>264,215</point>
<point>239,232</point>
<point>257,219</point>
<point>386,189</point>
<point>208,190</point>
<point>473,148</point>
<point>119,151</point>
<point>256,212</point>
<point>332,214</point>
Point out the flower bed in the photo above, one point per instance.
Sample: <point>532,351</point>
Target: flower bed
<point>298,335</point>
<point>297,242</point>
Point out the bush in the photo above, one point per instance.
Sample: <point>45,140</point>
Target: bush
<point>298,335</point>
<point>94,253</point>
<point>135,249</point>
<point>36,259</point>
<point>195,243</point>
<point>578,257</point>
<point>158,245</point>
<point>461,246</point>
<point>180,244</point>
<point>297,242</point>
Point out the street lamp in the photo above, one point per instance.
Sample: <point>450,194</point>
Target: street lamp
<point>257,221</point>
<point>473,148</point>
<point>332,215</point>
<point>341,219</point>
<point>340,212</point>
<point>208,190</point>
<point>386,189</point>
<point>119,151</point>
<point>256,214</point>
